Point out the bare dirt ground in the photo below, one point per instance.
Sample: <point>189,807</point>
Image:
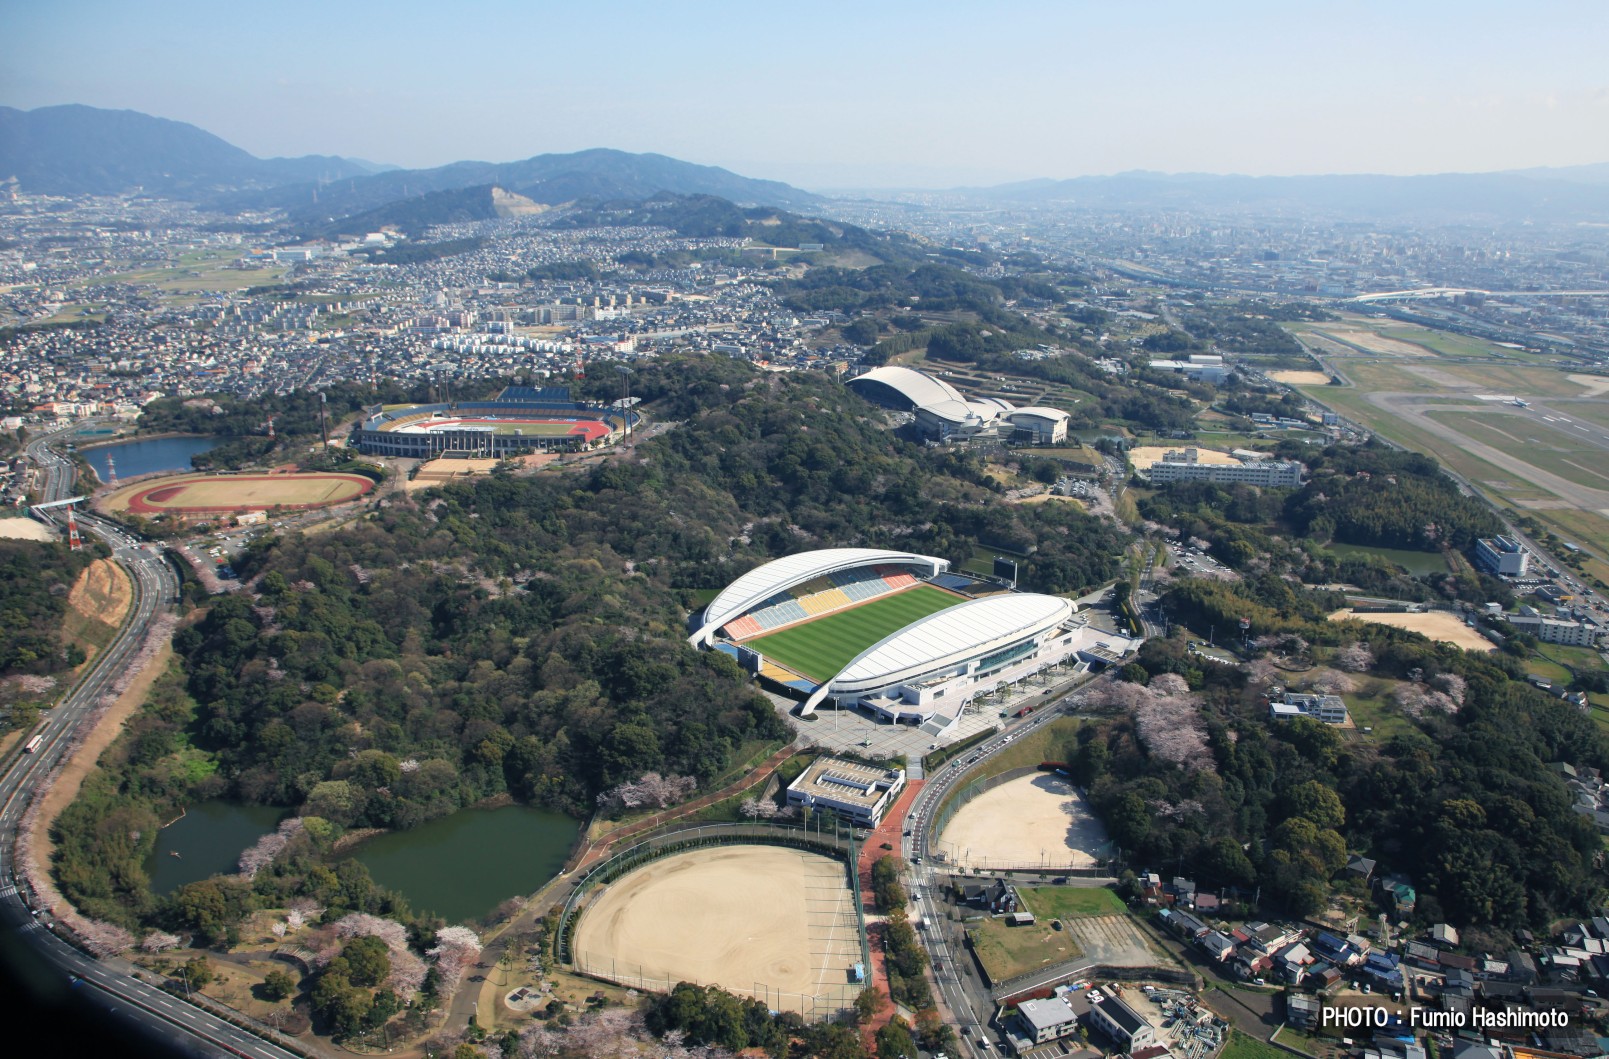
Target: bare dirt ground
<point>1364,338</point>
<point>1436,625</point>
<point>102,593</point>
<point>758,920</point>
<point>1037,819</point>
<point>1142,456</point>
<point>25,529</point>
<point>1114,941</point>
<point>1300,378</point>
<point>1596,385</point>
<point>65,789</point>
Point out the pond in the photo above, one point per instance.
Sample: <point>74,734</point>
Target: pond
<point>463,866</point>
<point>207,840</point>
<point>147,457</point>
<point>1416,563</point>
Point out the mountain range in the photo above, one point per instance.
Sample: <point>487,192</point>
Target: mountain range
<point>76,149</point>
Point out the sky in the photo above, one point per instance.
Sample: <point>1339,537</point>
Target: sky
<point>829,95</point>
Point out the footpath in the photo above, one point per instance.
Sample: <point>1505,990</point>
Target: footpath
<point>888,832</point>
<point>478,1000</point>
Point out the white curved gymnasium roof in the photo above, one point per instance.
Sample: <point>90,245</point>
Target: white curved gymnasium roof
<point>765,581</point>
<point>920,388</point>
<point>951,636</point>
<point>1040,412</point>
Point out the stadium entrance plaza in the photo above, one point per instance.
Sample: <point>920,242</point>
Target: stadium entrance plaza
<point>856,732</point>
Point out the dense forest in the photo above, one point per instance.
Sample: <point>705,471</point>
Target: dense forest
<point>1463,805</point>
<point>35,577</point>
<point>1386,497</point>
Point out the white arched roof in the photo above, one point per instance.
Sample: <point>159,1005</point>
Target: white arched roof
<point>767,580</point>
<point>951,636</point>
<point>918,387</point>
<point>1040,412</point>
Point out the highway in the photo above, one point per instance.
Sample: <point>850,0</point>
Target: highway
<point>109,1001</point>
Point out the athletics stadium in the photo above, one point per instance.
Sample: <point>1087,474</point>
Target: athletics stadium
<point>893,634</point>
<point>519,421</point>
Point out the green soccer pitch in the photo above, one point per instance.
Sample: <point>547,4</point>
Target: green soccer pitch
<point>820,648</point>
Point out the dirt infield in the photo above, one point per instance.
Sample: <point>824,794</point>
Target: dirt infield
<point>1034,820</point>
<point>1436,625</point>
<point>1300,378</point>
<point>764,921</point>
<point>219,494</point>
<point>26,529</point>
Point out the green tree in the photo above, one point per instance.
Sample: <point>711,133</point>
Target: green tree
<point>277,985</point>
<point>368,959</point>
<point>196,973</point>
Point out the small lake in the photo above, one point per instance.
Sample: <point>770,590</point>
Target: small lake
<point>208,841</point>
<point>463,866</point>
<point>148,456</point>
<point>1416,563</point>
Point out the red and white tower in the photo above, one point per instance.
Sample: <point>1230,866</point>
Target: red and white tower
<point>74,541</point>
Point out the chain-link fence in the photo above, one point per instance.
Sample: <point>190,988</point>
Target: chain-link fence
<point>827,838</point>
<point>950,854</point>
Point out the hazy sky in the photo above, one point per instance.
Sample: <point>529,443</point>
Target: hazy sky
<point>870,93</point>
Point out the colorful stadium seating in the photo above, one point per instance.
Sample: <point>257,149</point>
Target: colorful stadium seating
<point>821,595</point>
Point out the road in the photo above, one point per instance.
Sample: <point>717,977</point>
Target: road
<point>102,996</point>
<point>949,958</point>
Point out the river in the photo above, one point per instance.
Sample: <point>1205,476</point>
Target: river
<point>463,866</point>
<point>147,456</point>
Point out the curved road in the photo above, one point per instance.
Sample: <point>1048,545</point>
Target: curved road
<point>143,1018</point>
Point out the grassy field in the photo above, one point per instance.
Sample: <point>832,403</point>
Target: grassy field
<point>1071,902</point>
<point>1416,563</point>
<point>1243,1046</point>
<point>1006,951</point>
<point>820,648</point>
<point>1566,453</point>
<point>1371,707</point>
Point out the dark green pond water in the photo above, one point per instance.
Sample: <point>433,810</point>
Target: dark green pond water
<point>464,865</point>
<point>208,841</point>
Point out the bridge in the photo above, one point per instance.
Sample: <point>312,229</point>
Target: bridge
<point>1426,293</point>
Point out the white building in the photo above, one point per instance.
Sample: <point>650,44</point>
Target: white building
<point>856,791</point>
<point>1186,466</point>
<point>1557,630</point>
<point>1046,1020</point>
<point>1121,1023</point>
<point>1330,709</point>
<point>1502,555</point>
<point>1039,425</point>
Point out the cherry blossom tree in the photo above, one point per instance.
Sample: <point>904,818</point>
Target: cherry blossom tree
<point>1355,657</point>
<point>159,941</point>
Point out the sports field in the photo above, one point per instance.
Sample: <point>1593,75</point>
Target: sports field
<point>509,426</point>
<point>819,649</point>
<point>763,921</point>
<point>214,494</point>
<point>1031,821</point>
<point>1438,625</point>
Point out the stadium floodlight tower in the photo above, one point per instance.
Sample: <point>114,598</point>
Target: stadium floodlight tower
<point>625,398</point>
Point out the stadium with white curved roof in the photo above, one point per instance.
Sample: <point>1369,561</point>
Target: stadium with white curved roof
<point>943,413</point>
<point>891,633</point>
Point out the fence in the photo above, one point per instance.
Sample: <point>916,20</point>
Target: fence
<point>838,843</point>
<point>825,1005</point>
<point>948,854</point>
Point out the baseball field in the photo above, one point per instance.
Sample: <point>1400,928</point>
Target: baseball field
<point>819,649</point>
<point>1037,819</point>
<point>227,493</point>
<point>765,921</point>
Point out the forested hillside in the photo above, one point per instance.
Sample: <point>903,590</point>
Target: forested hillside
<point>526,635</point>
